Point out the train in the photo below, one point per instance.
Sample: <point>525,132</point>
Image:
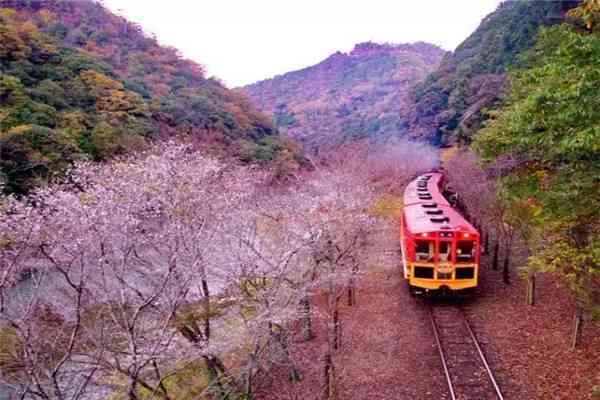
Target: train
<point>440,249</point>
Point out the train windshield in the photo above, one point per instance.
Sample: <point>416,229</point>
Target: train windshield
<point>424,250</point>
<point>445,251</point>
<point>465,251</point>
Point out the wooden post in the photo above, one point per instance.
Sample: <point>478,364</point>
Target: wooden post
<point>577,325</point>
<point>530,299</point>
<point>495,260</point>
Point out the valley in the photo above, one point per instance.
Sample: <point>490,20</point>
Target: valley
<point>166,237</point>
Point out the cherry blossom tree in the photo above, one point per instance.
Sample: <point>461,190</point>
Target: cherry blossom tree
<point>116,256</point>
<point>136,272</point>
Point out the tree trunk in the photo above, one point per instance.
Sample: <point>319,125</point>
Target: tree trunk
<point>486,243</point>
<point>214,377</point>
<point>160,379</point>
<point>132,393</point>
<point>306,321</point>
<point>577,326</point>
<point>352,285</point>
<point>206,303</point>
<point>531,290</point>
<point>279,337</point>
<point>505,268</point>
<point>225,374</point>
<point>337,329</point>
<point>329,392</point>
<point>294,373</point>
<point>495,259</point>
<point>248,384</point>
<point>333,328</point>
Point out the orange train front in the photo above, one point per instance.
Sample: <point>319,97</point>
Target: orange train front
<point>440,248</point>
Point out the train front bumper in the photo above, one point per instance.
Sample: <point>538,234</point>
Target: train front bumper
<point>431,284</point>
<point>443,276</point>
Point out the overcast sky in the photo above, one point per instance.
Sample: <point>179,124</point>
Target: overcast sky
<point>243,41</point>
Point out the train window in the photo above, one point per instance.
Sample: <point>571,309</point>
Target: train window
<point>445,250</point>
<point>465,251</point>
<point>424,250</point>
<point>465,273</point>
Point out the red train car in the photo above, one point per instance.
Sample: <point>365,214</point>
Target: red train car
<point>440,248</point>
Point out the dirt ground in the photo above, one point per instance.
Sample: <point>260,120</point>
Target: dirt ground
<point>529,347</point>
<point>388,349</point>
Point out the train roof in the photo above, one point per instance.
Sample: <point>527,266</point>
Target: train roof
<point>411,193</point>
<point>427,210</point>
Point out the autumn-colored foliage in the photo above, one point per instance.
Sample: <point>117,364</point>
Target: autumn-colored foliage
<point>79,71</point>
<point>588,13</point>
<point>348,97</point>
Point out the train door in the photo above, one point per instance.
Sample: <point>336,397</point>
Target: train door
<point>445,258</point>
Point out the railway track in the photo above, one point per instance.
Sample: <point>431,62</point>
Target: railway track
<point>467,371</point>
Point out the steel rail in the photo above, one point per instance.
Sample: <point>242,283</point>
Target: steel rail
<point>482,357</point>
<point>442,356</point>
<point>479,353</point>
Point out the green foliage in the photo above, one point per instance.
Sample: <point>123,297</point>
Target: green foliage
<point>266,149</point>
<point>449,101</point>
<point>578,264</point>
<point>51,93</point>
<point>11,346</point>
<point>57,104</point>
<point>185,382</point>
<point>29,153</point>
<point>504,35</point>
<point>549,125</point>
<point>283,117</point>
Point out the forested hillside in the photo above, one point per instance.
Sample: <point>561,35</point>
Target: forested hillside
<point>362,94</point>
<point>415,90</point>
<point>448,105</point>
<point>77,81</point>
<point>545,135</point>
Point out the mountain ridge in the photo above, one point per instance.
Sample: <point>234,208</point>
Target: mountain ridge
<point>359,48</point>
<point>359,94</point>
